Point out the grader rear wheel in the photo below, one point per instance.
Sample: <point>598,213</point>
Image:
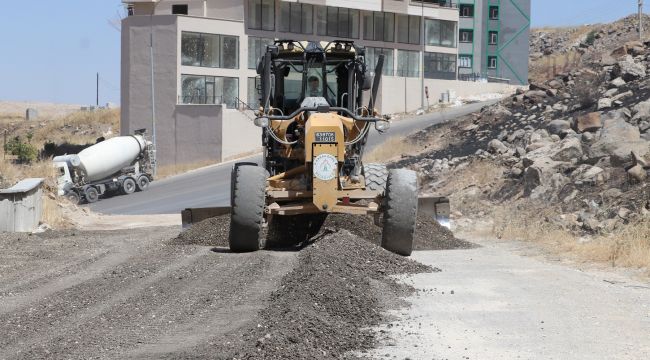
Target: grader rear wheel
<point>401,206</point>
<point>247,213</point>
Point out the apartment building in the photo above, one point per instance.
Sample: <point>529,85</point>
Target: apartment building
<point>493,40</point>
<point>189,64</point>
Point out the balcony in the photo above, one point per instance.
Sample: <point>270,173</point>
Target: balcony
<point>439,3</point>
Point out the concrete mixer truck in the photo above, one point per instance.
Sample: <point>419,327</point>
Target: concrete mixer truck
<point>121,164</point>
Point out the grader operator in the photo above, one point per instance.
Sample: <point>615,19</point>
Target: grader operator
<point>315,127</point>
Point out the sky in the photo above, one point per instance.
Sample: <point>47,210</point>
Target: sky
<point>51,50</point>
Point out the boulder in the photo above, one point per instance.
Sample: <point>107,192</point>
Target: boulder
<point>637,173</point>
<point>586,173</point>
<point>497,147</point>
<point>588,122</point>
<point>604,103</point>
<point>618,82</point>
<point>532,179</point>
<point>641,111</point>
<point>570,148</point>
<point>555,84</point>
<point>557,126</point>
<point>618,140</point>
<point>628,69</point>
<point>611,92</point>
<point>535,94</point>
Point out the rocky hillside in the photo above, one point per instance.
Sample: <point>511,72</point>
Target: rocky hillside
<point>556,50</point>
<point>574,150</point>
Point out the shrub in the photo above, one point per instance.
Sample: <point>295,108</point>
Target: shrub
<point>25,152</point>
<point>591,37</point>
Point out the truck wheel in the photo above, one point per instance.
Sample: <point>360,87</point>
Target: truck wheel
<point>128,186</point>
<point>73,197</point>
<point>376,176</point>
<point>91,195</point>
<point>400,211</point>
<point>247,213</point>
<point>143,183</point>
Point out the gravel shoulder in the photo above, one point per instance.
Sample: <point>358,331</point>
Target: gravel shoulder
<point>125,294</point>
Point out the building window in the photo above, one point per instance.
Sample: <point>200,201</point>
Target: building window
<point>337,22</point>
<point>199,89</point>
<point>209,50</point>
<point>379,26</point>
<point>408,29</point>
<point>372,55</point>
<point>466,10</point>
<point>440,33</point>
<point>408,63</point>
<point>494,13</point>
<point>493,37</point>
<point>296,18</point>
<point>254,92</point>
<point>179,9</point>
<point>492,62</point>
<point>439,66</point>
<point>465,61</point>
<point>256,48</point>
<point>261,14</point>
<point>466,35</point>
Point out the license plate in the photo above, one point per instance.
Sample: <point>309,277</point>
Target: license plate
<point>325,136</point>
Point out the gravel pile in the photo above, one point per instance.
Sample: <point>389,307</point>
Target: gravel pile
<point>325,306</point>
<point>209,232</point>
<point>429,234</point>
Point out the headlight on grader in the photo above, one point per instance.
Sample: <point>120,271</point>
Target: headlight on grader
<point>382,125</point>
<point>261,122</point>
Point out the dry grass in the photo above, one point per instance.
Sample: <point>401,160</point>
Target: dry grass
<point>171,170</point>
<point>391,149</point>
<point>547,67</point>
<point>626,247</point>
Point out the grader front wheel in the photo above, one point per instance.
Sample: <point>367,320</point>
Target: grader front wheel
<point>247,213</point>
<point>401,206</point>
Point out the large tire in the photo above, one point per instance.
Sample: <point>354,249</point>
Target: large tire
<point>91,195</point>
<point>376,176</point>
<point>73,197</point>
<point>128,186</point>
<point>143,183</point>
<point>247,213</point>
<point>400,211</point>
<point>292,230</point>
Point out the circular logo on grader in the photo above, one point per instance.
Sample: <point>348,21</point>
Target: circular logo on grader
<point>325,167</point>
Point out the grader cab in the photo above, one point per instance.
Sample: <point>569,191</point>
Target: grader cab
<point>315,127</point>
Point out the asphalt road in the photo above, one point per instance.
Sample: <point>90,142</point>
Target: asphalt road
<point>210,186</point>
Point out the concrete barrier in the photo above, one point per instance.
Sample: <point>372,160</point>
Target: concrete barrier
<point>21,206</point>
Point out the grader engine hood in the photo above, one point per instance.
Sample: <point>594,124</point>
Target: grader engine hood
<point>325,151</point>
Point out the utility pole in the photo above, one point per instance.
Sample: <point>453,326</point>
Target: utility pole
<point>423,39</point>
<point>97,98</point>
<point>641,20</point>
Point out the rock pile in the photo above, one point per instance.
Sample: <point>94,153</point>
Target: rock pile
<point>581,140</point>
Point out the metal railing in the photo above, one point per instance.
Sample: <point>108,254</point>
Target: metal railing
<point>230,102</point>
<point>441,3</point>
<point>481,77</point>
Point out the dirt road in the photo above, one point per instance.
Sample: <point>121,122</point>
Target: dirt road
<point>509,300</point>
<point>125,294</point>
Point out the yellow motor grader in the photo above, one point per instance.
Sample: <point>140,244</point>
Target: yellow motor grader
<point>315,127</point>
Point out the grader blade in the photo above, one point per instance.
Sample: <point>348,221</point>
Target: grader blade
<point>435,207</point>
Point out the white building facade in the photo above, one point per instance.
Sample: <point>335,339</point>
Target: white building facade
<point>205,52</point>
